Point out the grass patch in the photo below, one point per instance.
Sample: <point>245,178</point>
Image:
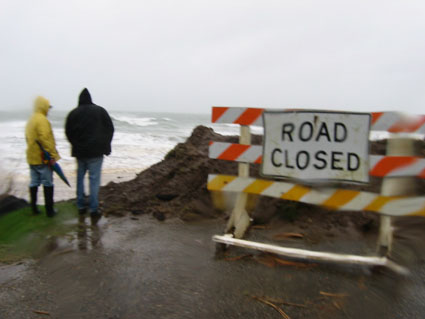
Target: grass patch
<point>23,235</point>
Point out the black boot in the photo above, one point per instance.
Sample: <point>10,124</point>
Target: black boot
<point>33,196</point>
<point>48,199</point>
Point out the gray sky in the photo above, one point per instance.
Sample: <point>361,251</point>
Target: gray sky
<point>186,55</point>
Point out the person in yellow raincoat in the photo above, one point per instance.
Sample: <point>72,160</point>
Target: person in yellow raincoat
<point>38,129</point>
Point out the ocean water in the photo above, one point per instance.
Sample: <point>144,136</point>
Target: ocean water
<point>141,139</point>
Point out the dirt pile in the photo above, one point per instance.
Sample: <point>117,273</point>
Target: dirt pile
<point>176,186</point>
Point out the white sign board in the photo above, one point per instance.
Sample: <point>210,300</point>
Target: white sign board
<point>316,145</point>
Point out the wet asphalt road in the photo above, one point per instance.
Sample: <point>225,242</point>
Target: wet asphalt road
<point>143,268</point>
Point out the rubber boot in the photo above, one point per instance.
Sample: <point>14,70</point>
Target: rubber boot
<point>48,199</point>
<point>33,197</point>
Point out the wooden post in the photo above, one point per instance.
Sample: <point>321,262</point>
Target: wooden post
<point>239,218</point>
<point>394,186</point>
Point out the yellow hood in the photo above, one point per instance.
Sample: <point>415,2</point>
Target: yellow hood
<point>41,105</point>
<point>38,129</point>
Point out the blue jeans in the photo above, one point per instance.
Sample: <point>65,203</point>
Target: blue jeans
<point>41,174</point>
<point>94,166</point>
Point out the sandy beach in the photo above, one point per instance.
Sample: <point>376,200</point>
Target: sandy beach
<point>20,182</point>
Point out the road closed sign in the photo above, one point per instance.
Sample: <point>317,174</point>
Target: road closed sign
<point>316,145</point>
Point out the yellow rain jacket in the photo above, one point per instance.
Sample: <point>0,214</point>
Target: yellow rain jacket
<point>39,129</point>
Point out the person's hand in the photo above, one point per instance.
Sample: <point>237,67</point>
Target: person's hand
<point>52,162</point>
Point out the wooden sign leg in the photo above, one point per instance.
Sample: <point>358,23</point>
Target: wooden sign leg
<point>239,218</point>
<point>394,186</point>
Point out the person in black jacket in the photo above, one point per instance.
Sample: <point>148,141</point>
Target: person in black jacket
<point>89,129</point>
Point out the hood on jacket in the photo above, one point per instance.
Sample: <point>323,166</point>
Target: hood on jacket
<point>85,97</point>
<point>41,105</point>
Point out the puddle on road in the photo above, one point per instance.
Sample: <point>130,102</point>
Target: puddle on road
<point>84,233</point>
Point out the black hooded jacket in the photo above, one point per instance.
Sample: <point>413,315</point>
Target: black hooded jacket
<point>89,129</point>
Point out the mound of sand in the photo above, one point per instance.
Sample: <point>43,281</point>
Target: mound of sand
<point>176,186</point>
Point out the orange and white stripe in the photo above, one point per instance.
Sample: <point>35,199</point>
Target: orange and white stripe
<point>391,166</point>
<point>339,199</point>
<point>392,122</point>
<point>237,115</point>
<point>380,166</point>
<point>236,152</point>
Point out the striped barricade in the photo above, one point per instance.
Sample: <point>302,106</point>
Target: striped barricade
<point>393,169</point>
